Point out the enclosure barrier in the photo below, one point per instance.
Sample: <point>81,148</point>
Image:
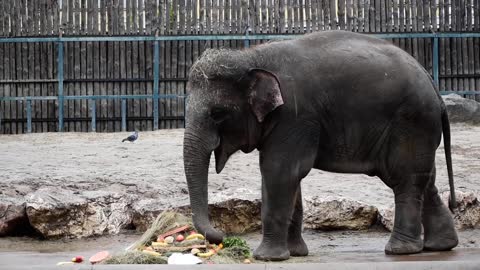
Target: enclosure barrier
<point>60,98</point>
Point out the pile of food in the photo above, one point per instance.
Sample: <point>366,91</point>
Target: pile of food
<point>172,239</point>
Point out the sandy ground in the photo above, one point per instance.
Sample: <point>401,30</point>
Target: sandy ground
<point>100,161</point>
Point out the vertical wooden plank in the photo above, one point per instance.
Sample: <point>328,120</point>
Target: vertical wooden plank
<point>281,16</point>
<point>349,15</point>
<point>123,68</point>
<point>301,19</point>
<point>477,63</point>
<point>148,73</point>
<point>289,12</point>
<point>23,19</point>
<point>9,106</point>
<point>341,14</point>
<point>326,14</point>
<point>143,87</point>
<point>387,20</point>
<point>17,71</point>
<point>3,32</point>
<point>6,75</point>
<point>39,63</point>
<point>14,28</point>
<point>3,91</point>
<point>366,16</point>
<point>314,15</point>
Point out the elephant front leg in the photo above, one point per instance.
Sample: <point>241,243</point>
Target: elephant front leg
<point>278,199</point>
<point>296,244</point>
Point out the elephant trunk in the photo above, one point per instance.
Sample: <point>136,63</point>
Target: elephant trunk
<point>197,149</point>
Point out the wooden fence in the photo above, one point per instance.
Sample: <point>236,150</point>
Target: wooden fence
<point>126,67</point>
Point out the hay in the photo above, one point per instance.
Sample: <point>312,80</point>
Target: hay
<point>135,257</point>
<point>166,221</point>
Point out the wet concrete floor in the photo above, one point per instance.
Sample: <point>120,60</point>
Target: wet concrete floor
<point>325,248</point>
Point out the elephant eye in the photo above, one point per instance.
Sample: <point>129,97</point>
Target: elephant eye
<point>219,115</point>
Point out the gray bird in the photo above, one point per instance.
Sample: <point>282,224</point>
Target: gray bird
<point>132,137</point>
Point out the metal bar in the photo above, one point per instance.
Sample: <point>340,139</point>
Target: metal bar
<point>28,97</point>
<point>89,119</point>
<point>60,85</point>
<point>156,77</point>
<point>170,96</point>
<point>460,92</point>
<point>124,115</point>
<point>435,62</point>
<point>124,96</point>
<point>459,76</point>
<point>87,80</point>
<point>222,37</point>
<point>94,114</point>
<point>29,116</point>
<point>29,81</point>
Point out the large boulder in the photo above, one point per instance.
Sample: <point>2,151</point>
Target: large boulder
<point>465,216</point>
<point>338,214</point>
<point>232,211</point>
<point>54,212</point>
<point>467,213</point>
<point>13,217</point>
<point>461,109</point>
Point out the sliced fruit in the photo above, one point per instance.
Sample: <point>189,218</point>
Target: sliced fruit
<point>195,236</point>
<point>151,252</point>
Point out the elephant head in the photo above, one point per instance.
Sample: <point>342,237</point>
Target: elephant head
<point>229,98</point>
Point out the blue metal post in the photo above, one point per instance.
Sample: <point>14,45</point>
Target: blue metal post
<point>29,116</point>
<point>435,62</point>
<point>246,42</point>
<point>124,115</point>
<point>156,78</point>
<point>186,110</point>
<point>94,114</point>
<point>60,85</point>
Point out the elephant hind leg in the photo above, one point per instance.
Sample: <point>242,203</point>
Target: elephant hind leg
<point>438,225</point>
<point>296,244</point>
<point>406,235</point>
<point>409,167</point>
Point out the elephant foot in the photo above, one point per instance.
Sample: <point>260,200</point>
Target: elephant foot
<point>403,244</point>
<point>271,253</point>
<point>439,229</point>
<point>297,247</point>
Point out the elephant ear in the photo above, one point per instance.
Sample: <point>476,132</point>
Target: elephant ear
<point>264,93</point>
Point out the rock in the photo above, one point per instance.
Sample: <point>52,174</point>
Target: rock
<point>338,214</point>
<point>386,216</point>
<point>13,217</point>
<point>467,213</point>
<point>55,212</point>
<point>232,211</point>
<point>236,211</point>
<point>462,109</point>
<point>466,216</point>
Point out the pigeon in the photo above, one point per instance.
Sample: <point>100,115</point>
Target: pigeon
<point>132,137</point>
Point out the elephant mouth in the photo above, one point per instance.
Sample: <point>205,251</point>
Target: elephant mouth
<point>221,158</point>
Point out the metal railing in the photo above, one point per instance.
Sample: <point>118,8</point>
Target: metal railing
<point>60,97</point>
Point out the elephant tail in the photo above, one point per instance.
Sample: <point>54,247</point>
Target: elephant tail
<point>452,202</point>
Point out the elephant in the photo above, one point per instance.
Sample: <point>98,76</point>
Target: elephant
<point>336,101</point>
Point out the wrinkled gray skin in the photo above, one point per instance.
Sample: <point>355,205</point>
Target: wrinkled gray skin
<point>334,101</point>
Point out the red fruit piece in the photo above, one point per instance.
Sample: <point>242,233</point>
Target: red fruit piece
<point>180,238</point>
<point>77,259</point>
